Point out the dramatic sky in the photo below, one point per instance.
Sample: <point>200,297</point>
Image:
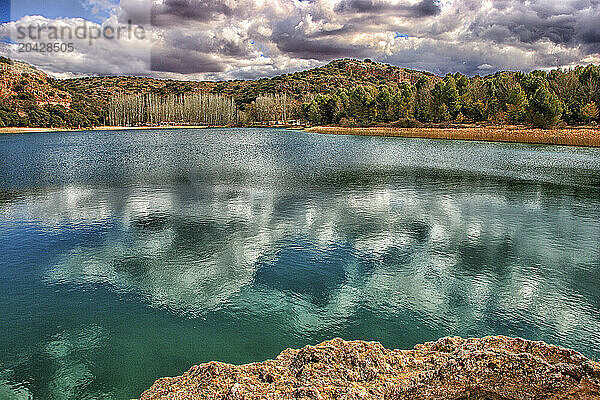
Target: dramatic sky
<point>226,39</point>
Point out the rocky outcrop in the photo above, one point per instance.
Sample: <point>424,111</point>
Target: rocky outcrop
<point>491,368</point>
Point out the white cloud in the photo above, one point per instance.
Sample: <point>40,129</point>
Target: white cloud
<point>225,39</point>
<point>91,51</point>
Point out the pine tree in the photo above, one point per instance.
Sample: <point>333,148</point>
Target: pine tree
<point>545,108</point>
<point>517,104</point>
<point>590,112</point>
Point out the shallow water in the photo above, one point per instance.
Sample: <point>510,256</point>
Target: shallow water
<point>128,256</point>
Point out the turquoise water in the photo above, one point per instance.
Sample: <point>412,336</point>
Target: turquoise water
<point>128,256</point>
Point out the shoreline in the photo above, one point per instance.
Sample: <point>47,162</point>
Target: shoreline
<point>98,128</point>
<point>583,137</point>
<point>570,136</point>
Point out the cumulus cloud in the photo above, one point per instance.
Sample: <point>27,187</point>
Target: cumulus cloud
<point>90,53</point>
<point>229,39</point>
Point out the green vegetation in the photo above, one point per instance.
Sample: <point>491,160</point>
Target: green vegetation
<point>590,112</point>
<point>24,112</point>
<point>344,92</point>
<point>31,98</point>
<point>47,116</point>
<point>540,99</point>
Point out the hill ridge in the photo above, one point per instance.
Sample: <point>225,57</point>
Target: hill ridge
<point>344,91</point>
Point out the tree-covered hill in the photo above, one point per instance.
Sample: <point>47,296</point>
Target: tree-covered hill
<point>31,98</point>
<point>345,92</point>
<point>89,97</point>
<point>300,85</point>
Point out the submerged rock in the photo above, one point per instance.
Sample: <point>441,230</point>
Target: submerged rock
<point>494,368</point>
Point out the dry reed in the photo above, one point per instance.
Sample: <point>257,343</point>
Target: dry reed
<point>565,136</point>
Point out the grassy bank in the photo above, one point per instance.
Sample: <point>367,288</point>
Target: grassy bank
<point>567,136</point>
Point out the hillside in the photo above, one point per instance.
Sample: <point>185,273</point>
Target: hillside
<point>26,91</point>
<point>28,95</point>
<point>25,82</point>
<point>322,80</point>
<point>344,92</point>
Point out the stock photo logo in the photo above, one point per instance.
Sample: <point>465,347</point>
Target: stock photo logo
<point>77,37</point>
<point>53,38</point>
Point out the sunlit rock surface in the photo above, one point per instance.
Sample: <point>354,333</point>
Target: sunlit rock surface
<point>451,368</point>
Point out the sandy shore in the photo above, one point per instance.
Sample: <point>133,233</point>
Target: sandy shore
<point>98,128</point>
<point>30,130</point>
<point>586,136</point>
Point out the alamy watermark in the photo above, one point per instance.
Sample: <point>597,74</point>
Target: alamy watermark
<point>53,38</point>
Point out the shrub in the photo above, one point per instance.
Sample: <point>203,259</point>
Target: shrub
<point>545,108</point>
<point>26,96</point>
<point>590,112</point>
<point>406,123</point>
<point>347,123</point>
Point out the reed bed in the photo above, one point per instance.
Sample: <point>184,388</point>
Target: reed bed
<point>589,137</point>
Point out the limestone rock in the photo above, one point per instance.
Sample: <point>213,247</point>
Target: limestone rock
<point>494,368</point>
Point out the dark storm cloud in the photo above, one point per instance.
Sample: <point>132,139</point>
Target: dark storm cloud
<point>465,35</point>
<point>183,62</point>
<point>425,8</point>
<point>206,42</point>
<point>588,30</point>
<point>526,29</point>
<point>568,23</point>
<point>291,38</point>
<point>318,49</point>
<point>176,11</point>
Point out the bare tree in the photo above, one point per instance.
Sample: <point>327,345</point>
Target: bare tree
<point>188,108</point>
<point>276,108</point>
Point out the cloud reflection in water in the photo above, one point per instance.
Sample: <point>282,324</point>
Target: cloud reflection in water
<point>447,258</point>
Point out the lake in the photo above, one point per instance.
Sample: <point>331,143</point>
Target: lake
<point>132,255</point>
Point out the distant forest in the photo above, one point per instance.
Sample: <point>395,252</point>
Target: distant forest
<point>542,99</point>
<point>331,95</point>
